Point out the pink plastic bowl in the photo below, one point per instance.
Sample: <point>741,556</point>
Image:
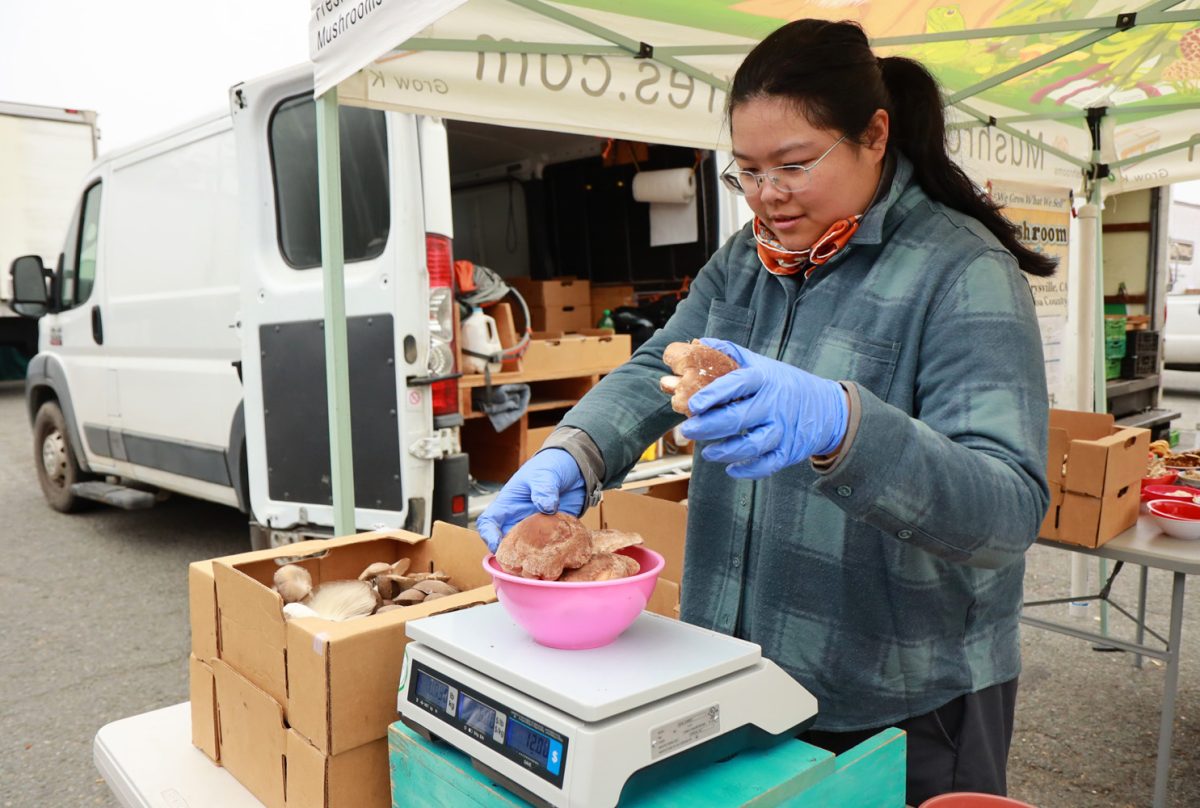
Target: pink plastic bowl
<point>577,615</point>
<point>968,799</point>
<point>1180,520</point>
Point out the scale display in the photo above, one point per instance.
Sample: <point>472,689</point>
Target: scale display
<point>521,739</point>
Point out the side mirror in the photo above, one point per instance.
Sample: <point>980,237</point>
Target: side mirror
<point>30,297</point>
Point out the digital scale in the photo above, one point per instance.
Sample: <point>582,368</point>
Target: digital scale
<point>576,728</point>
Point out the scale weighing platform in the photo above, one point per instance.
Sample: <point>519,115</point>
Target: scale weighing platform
<point>574,728</point>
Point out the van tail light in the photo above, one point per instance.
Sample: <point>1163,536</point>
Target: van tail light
<point>442,354</point>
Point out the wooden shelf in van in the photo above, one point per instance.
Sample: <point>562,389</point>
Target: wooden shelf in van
<point>536,406</point>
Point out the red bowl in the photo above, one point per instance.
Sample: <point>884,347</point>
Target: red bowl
<point>1182,493</point>
<point>1172,509</point>
<point>1162,479</point>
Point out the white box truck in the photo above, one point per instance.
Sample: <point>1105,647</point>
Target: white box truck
<point>182,346</point>
<point>44,151</point>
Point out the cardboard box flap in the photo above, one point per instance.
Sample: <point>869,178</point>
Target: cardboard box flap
<point>358,778</point>
<point>1082,425</point>
<point>1103,466</point>
<point>253,634</point>
<point>202,694</point>
<point>202,610</point>
<point>661,523</point>
<point>1057,444</point>
<point>253,735</point>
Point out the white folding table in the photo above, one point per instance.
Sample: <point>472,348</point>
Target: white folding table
<point>1145,545</point>
<point>149,762</point>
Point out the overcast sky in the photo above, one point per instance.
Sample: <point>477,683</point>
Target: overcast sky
<point>148,65</point>
<point>144,65</point>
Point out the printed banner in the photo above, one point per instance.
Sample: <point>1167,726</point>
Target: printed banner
<point>1044,218</point>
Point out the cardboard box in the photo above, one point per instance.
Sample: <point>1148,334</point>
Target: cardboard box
<point>202,693</point>
<point>1097,457</point>
<point>576,355</point>
<point>202,611</point>
<point>280,767</point>
<point>555,292</point>
<point>253,736</point>
<point>358,778</point>
<point>612,297</point>
<point>565,319</point>
<point>337,680</point>
<point>662,523</point>
<point>1094,469</point>
<point>535,437</point>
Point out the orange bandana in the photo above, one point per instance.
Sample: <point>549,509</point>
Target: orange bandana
<point>778,260</point>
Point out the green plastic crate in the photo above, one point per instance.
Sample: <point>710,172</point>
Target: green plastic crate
<point>1112,368</point>
<point>1114,326</point>
<point>1114,347</point>
<point>1173,438</point>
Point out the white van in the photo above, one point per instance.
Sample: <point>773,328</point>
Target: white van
<point>181,346</point>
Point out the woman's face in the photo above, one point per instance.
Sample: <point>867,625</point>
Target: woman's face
<point>770,131</point>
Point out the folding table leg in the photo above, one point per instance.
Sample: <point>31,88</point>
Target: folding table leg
<point>1141,620</point>
<point>1170,686</point>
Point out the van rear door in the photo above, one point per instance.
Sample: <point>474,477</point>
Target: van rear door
<point>282,317</point>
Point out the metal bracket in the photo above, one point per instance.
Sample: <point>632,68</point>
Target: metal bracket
<point>1127,20</point>
<point>432,447</point>
<point>645,51</point>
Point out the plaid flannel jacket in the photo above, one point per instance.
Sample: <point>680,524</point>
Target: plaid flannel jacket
<point>889,582</point>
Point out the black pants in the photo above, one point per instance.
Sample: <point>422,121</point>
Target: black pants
<point>960,746</point>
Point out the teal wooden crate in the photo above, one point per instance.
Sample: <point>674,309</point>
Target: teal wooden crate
<point>1114,347</point>
<point>791,773</point>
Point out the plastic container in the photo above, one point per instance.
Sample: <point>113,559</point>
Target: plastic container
<point>1112,369</point>
<point>1114,347</point>
<point>577,615</point>
<point>606,321</point>
<point>970,799</point>
<point>1180,520</point>
<point>1114,325</point>
<point>480,336</point>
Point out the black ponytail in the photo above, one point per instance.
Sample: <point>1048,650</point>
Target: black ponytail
<point>828,69</point>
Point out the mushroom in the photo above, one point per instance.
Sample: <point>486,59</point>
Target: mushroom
<point>389,586</point>
<point>695,366</point>
<point>410,596</point>
<point>432,587</point>
<point>603,567</point>
<point>388,607</point>
<point>609,541</point>
<point>376,569</point>
<point>543,545</point>
<point>434,596</point>
<point>293,583</point>
<point>401,566</point>
<point>342,600</point>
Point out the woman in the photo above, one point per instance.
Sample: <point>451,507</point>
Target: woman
<point>873,473</point>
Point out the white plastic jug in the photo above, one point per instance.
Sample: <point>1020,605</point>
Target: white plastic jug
<point>479,335</point>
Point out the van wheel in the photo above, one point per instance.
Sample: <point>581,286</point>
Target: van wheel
<point>54,458</point>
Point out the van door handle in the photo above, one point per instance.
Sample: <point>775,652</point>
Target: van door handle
<point>97,326</point>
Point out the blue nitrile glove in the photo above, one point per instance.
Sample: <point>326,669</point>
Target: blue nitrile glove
<point>549,482</point>
<point>766,415</point>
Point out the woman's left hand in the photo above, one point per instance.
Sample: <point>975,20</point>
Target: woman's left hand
<point>766,415</point>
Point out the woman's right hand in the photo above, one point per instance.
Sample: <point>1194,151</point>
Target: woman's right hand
<point>549,482</point>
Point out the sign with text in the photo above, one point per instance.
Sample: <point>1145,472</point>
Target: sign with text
<point>1043,218</point>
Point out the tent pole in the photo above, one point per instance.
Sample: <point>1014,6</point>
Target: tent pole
<point>337,372</point>
<point>1087,315</point>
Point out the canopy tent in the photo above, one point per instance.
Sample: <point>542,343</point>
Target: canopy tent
<point>1091,95</point>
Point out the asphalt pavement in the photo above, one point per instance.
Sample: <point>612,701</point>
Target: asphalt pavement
<point>95,628</point>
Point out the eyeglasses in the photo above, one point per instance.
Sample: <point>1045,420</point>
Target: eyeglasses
<point>789,179</point>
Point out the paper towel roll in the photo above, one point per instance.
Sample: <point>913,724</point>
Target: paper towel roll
<point>674,185</point>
